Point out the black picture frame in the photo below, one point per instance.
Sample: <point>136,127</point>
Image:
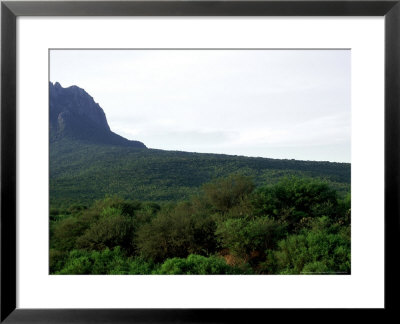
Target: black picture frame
<point>10,10</point>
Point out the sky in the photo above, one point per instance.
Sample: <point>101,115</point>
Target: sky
<point>286,104</point>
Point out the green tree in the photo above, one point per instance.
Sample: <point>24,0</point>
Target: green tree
<point>244,236</point>
<point>176,232</point>
<point>112,229</point>
<point>225,193</point>
<point>96,262</point>
<point>323,248</point>
<point>197,264</point>
<point>293,199</point>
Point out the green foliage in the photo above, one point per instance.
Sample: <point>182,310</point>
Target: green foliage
<point>176,232</point>
<point>322,249</point>
<point>56,260</point>
<point>293,200</point>
<point>140,266</point>
<point>75,208</point>
<point>65,234</point>
<point>95,262</point>
<point>243,236</point>
<point>225,193</point>
<point>112,229</point>
<point>296,226</point>
<point>81,172</point>
<point>108,223</point>
<point>197,264</point>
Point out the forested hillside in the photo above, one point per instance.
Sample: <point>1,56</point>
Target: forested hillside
<point>81,172</point>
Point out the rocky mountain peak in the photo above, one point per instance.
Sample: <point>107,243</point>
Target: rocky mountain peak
<point>75,114</point>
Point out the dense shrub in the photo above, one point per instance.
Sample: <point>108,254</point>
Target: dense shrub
<point>296,226</point>
<point>225,193</point>
<point>243,236</point>
<point>324,249</point>
<point>56,260</point>
<point>111,230</point>
<point>67,231</point>
<point>197,264</point>
<point>96,262</point>
<point>176,232</point>
<point>293,199</point>
<point>140,266</point>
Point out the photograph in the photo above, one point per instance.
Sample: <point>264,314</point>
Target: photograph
<point>199,161</point>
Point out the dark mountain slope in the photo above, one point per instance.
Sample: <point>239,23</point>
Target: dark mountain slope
<point>75,115</point>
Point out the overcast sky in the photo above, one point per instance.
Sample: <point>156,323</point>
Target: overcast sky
<point>291,104</point>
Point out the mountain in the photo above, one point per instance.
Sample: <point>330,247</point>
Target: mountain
<point>88,161</point>
<point>75,115</point>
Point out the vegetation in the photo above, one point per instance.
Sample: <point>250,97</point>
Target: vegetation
<point>117,207</point>
<point>231,225</point>
<point>82,172</point>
